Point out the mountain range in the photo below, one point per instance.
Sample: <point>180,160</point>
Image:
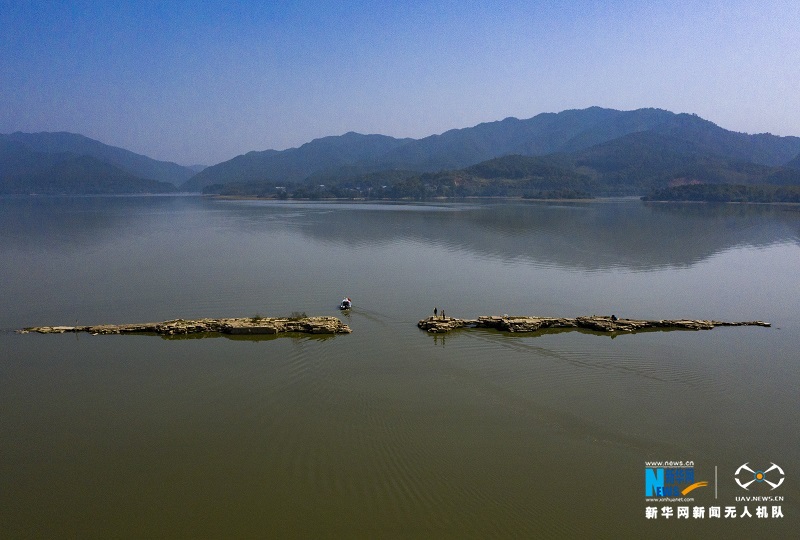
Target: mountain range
<point>69,163</point>
<point>598,150</point>
<point>617,152</point>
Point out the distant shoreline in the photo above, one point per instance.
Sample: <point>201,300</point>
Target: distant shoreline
<point>777,203</point>
<point>629,198</point>
<point>432,199</point>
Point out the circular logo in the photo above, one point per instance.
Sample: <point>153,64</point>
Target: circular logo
<point>745,476</point>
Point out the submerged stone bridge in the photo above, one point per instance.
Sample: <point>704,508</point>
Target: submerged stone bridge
<point>253,325</point>
<point>598,323</point>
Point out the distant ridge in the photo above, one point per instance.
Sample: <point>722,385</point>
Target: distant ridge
<point>26,171</point>
<point>135,164</point>
<point>296,164</point>
<point>576,136</point>
<point>82,175</point>
<point>545,133</point>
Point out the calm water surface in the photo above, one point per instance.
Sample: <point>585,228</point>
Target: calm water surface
<point>389,431</point>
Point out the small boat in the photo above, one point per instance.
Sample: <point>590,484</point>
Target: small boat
<point>346,304</point>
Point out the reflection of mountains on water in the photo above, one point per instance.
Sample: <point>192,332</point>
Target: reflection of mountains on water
<point>588,236</point>
<point>81,222</point>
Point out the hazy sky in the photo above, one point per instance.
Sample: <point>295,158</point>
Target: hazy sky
<point>204,81</point>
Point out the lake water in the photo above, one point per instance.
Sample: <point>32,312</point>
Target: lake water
<point>389,431</point>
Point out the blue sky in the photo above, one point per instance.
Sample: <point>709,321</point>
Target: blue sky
<point>201,82</point>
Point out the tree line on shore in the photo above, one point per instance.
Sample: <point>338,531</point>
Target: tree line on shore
<point>737,193</point>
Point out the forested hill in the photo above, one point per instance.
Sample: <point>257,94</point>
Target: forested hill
<point>609,146</point>
<point>50,145</point>
<point>363,152</point>
<point>77,175</point>
<point>636,164</point>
